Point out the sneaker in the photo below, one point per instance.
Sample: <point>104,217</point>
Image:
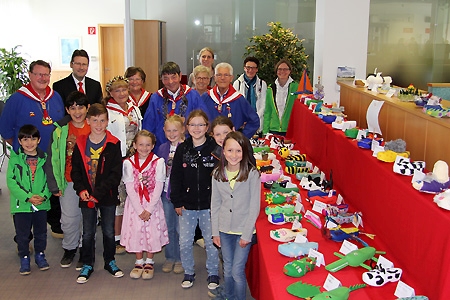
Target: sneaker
<point>67,259</point>
<point>113,269</point>
<point>119,248</point>
<point>178,268</point>
<point>167,266</point>
<point>188,281</point>
<point>25,265</point>
<point>148,271</point>
<point>85,273</point>
<point>218,293</point>
<point>136,273</point>
<point>213,282</point>
<point>40,260</point>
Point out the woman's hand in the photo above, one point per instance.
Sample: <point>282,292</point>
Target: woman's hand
<point>145,215</point>
<point>179,210</point>
<point>216,240</point>
<point>243,243</point>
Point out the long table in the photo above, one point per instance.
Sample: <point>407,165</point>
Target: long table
<point>413,231</point>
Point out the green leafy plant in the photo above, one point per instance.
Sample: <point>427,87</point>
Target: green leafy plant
<point>13,72</point>
<point>277,44</point>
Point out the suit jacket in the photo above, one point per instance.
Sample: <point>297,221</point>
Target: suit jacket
<point>67,85</point>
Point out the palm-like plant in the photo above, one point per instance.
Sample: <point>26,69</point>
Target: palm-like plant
<point>277,44</point>
<point>13,72</point>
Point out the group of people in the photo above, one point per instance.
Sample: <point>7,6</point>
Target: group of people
<point>153,167</point>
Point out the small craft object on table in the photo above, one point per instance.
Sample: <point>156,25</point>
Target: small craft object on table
<point>299,267</point>
<point>380,276</point>
<point>443,200</point>
<point>270,177</point>
<point>295,170</point>
<point>293,249</point>
<point>285,235</point>
<point>295,163</point>
<point>285,208</point>
<point>354,258</point>
<point>436,182</point>
<point>297,157</point>
<point>405,167</point>
<point>308,291</point>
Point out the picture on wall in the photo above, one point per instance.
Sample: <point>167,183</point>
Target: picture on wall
<point>67,46</point>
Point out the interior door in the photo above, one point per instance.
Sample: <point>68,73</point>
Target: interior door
<point>111,51</point>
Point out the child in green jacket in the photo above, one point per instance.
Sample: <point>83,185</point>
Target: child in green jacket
<point>29,194</point>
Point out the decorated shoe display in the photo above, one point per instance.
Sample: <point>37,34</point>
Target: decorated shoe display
<point>390,156</point>
<point>354,258</point>
<point>287,235</point>
<point>293,249</point>
<point>308,291</point>
<point>380,276</point>
<point>405,167</point>
<point>300,267</point>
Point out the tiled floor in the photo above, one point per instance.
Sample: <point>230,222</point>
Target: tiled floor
<point>59,283</point>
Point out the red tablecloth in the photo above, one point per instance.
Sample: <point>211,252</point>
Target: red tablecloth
<point>413,231</point>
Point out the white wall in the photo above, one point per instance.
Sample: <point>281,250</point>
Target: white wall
<point>38,26</point>
<point>341,40</point>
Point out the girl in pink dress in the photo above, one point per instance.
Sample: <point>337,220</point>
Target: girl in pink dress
<point>144,228</point>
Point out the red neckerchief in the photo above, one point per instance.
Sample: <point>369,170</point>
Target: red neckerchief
<point>230,96</point>
<point>142,98</point>
<point>143,192</point>
<point>113,105</point>
<point>184,89</point>
<point>28,91</point>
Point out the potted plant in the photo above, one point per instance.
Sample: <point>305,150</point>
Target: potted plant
<point>13,72</point>
<point>277,44</point>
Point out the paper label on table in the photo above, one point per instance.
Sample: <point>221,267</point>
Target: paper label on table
<point>319,206</point>
<point>373,112</point>
<point>320,260</point>
<point>322,176</point>
<point>300,239</point>
<point>362,133</point>
<point>309,165</point>
<point>357,221</point>
<point>347,247</point>
<point>404,290</point>
<point>386,263</point>
<point>390,93</point>
<point>314,218</point>
<point>331,225</point>
<point>296,224</point>
<point>340,199</point>
<point>330,193</point>
<point>331,283</point>
<point>316,169</point>
<point>376,148</point>
<point>299,207</point>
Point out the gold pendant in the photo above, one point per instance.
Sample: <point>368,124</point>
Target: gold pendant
<point>219,107</point>
<point>44,106</point>
<point>173,105</point>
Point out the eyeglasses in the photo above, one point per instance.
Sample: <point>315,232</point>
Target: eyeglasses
<point>283,69</point>
<point>223,75</point>
<point>250,68</point>
<point>78,64</point>
<point>196,125</point>
<point>202,78</point>
<point>41,75</point>
<point>134,79</point>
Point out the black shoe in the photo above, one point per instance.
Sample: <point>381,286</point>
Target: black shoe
<point>85,273</point>
<point>67,259</point>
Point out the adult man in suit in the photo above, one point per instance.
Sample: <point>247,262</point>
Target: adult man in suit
<point>77,81</point>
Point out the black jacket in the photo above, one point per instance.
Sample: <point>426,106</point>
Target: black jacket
<point>109,171</point>
<point>67,85</point>
<point>190,178</point>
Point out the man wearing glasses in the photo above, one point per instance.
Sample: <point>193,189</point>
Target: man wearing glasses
<point>224,100</point>
<point>252,87</point>
<point>77,81</point>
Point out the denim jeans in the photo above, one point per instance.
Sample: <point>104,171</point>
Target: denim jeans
<point>234,260</point>
<point>107,214</point>
<point>188,223</point>
<point>23,222</point>
<point>172,249</point>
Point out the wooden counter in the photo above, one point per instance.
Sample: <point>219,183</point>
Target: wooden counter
<point>426,137</point>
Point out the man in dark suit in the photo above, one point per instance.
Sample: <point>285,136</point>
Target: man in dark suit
<point>77,81</point>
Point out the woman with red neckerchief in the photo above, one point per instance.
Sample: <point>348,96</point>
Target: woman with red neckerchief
<point>125,121</point>
<point>138,95</point>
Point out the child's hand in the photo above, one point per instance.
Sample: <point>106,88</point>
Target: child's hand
<point>58,194</point>
<point>84,195</point>
<point>145,215</point>
<point>216,240</point>
<point>243,243</point>
<point>36,200</point>
<point>178,210</point>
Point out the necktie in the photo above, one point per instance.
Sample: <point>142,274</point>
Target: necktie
<point>80,87</point>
